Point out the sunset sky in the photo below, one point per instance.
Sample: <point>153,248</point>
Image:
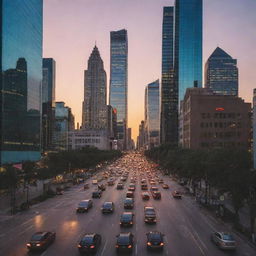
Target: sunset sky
<point>71,28</point>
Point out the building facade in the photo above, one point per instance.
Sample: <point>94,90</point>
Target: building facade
<point>152,115</point>
<point>63,124</point>
<point>119,81</point>
<point>254,128</point>
<point>169,90</point>
<point>94,114</point>
<point>21,78</point>
<point>215,121</point>
<point>188,45</point>
<point>221,73</point>
<point>48,102</point>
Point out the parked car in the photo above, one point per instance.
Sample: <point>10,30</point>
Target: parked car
<point>84,206</point>
<point>89,243</point>
<point>155,240</point>
<point>41,240</point>
<point>224,240</point>
<point>124,242</point>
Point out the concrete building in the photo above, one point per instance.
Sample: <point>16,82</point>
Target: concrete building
<point>214,121</point>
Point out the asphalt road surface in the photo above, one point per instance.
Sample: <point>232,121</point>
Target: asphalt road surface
<point>187,228</point>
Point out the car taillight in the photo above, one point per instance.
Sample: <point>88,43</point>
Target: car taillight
<point>92,246</point>
<point>38,245</point>
<point>148,243</point>
<point>79,246</point>
<point>161,244</point>
<point>117,245</point>
<point>131,222</point>
<point>130,246</point>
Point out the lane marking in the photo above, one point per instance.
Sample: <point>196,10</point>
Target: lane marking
<point>104,248</point>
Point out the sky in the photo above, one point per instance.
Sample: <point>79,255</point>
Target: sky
<point>72,27</point>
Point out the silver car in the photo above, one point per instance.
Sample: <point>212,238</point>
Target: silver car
<point>224,240</point>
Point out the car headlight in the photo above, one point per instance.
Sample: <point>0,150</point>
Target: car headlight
<point>38,245</point>
<point>29,244</point>
<point>148,243</point>
<point>130,246</point>
<point>162,244</point>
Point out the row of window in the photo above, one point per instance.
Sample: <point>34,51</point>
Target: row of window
<point>221,125</point>
<point>221,115</point>
<point>221,144</point>
<point>222,135</point>
<point>80,141</point>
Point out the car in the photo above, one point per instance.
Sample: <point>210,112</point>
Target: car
<point>84,206</point>
<point>143,181</point>
<point>124,242</point>
<point>145,196</point>
<point>160,181</point>
<point>156,194</point>
<point>132,187</point>
<point>96,194</point>
<point>86,186</point>
<point>126,219</point>
<point>107,207</point>
<point>165,186</point>
<point>120,186</point>
<point>149,214</point>
<point>89,243</point>
<point>130,194</point>
<point>128,203</point>
<point>154,188</point>
<point>176,194</point>
<point>111,183</point>
<point>123,178</point>
<point>94,182</point>
<point>224,240</point>
<point>144,186</point>
<point>155,240</point>
<point>102,187</point>
<point>41,240</point>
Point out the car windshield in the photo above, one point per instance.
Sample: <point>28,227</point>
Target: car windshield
<point>123,240</point>
<point>87,240</point>
<point>228,237</point>
<point>107,205</point>
<point>36,237</point>
<point>128,201</point>
<point>83,204</point>
<point>126,217</point>
<point>155,237</point>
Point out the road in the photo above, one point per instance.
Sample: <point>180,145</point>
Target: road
<point>186,227</point>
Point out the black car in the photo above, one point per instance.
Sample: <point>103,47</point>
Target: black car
<point>107,207</point>
<point>89,243</point>
<point>96,194</point>
<point>128,203</point>
<point>156,194</point>
<point>155,240</point>
<point>120,186</point>
<point>84,206</point>
<point>126,219</point>
<point>150,214</point>
<point>41,240</point>
<point>124,242</point>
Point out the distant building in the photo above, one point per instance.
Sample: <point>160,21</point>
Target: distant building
<point>48,102</point>
<point>141,137</point>
<point>254,128</point>
<point>79,139</point>
<point>119,81</point>
<point>215,121</point>
<point>21,79</point>
<point>152,115</point>
<point>94,112</point>
<point>64,123</point>
<point>221,73</point>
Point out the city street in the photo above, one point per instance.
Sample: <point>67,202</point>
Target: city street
<point>187,228</point>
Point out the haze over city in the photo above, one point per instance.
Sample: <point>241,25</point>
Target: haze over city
<point>71,29</point>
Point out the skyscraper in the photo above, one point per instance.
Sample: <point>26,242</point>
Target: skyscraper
<point>152,114</point>
<point>188,44</point>
<point>169,92</point>
<point>95,92</point>
<point>221,73</point>
<point>48,102</point>
<point>21,78</point>
<point>119,80</point>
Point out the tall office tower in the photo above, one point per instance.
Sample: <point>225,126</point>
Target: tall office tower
<point>48,102</point>
<point>95,92</point>
<point>169,92</point>
<point>152,114</point>
<point>188,45</point>
<point>119,81</point>
<point>221,73</point>
<point>21,78</point>
<point>254,127</point>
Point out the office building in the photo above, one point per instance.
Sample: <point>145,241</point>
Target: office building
<point>188,45</point>
<point>254,128</point>
<point>221,73</point>
<point>119,81</point>
<point>48,102</point>
<point>21,78</point>
<point>215,121</point>
<point>169,91</point>
<point>152,115</point>
<point>63,124</point>
<point>94,114</point>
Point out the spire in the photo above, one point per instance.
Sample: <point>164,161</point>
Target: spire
<point>219,53</point>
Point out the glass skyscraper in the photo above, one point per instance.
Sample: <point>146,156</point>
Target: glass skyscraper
<point>119,80</point>
<point>169,92</point>
<point>152,114</point>
<point>21,78</point>
<point>188,44</point>
<point>221,73</point>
